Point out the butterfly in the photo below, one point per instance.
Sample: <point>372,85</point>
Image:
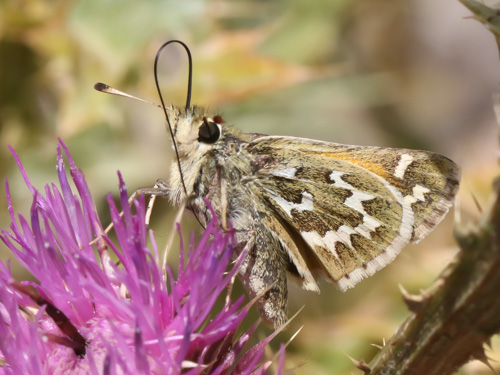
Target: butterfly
<point>304,208</point>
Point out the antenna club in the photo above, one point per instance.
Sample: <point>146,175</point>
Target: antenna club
<point>99,86</point>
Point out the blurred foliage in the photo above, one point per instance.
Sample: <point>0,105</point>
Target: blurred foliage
<point>374,72</point>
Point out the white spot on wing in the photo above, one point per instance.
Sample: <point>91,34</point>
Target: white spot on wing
<point>344,233</point>
<point>305,205</point>
<point>403,164</point>
<point>355,201</point>
<point>419,191</point>
<point>327,241</point>
<point>286,172</point>
<point>418,194</point>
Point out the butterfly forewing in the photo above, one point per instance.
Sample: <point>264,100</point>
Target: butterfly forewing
<point>355,207</point>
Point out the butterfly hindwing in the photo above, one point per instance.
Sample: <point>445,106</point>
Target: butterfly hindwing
<point>355,207</point>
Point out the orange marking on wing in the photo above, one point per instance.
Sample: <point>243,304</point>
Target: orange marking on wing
<point>376,168</point>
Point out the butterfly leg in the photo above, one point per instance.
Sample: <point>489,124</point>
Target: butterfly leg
<point>223,201</point>
<point>159,189</point>
<point>263,274</point>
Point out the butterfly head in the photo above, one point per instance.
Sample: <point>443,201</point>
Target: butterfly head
<point>195,131</point>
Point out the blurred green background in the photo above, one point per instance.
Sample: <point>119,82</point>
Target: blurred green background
<point>393,73</point>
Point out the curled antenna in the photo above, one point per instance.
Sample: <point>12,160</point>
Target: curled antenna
<point>102,87</point>
<point>188,98</point>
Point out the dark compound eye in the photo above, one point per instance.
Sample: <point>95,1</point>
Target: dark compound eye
<point>209,132</point>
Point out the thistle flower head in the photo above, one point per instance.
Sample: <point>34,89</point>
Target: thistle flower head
<point>89,314</point>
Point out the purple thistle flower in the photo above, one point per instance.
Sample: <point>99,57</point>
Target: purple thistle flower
<point>89,315</point>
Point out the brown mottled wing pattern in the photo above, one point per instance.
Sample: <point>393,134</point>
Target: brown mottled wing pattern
<point>355,207</point>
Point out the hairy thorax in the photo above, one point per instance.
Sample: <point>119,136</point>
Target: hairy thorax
<point>218,181</point>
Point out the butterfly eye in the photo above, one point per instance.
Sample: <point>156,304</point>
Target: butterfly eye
<point>209,132</point>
